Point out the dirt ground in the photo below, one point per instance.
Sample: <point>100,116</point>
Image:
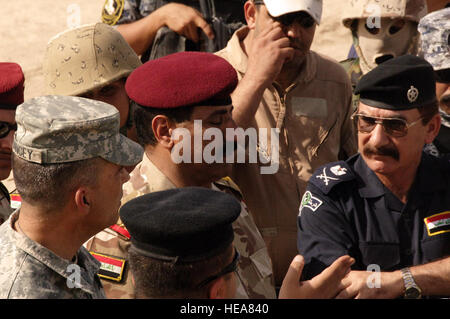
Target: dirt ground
<point>27,25</point>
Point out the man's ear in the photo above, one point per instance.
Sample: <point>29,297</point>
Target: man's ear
<point>433,128</point>
<point>250,14</point>
<point>83,200</point>
<point>218,289</point>
<point>161,126</point>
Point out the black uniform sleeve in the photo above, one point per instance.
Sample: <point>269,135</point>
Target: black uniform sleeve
<point>324,234</point>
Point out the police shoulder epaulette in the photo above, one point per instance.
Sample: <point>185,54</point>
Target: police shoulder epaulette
<point>230,184</point>
<point>328,176</point>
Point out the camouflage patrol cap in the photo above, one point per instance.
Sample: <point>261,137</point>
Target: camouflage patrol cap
<point>58,129</point>
<point>435,34</point>
<point>85,58</point>
<point>412,10</point>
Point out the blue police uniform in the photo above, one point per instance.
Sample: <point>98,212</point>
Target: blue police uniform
<point>347,210</point>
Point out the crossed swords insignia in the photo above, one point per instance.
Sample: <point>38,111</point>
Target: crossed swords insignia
<point>326,179</point>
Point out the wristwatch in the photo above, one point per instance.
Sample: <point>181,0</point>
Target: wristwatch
<point>412,291</point>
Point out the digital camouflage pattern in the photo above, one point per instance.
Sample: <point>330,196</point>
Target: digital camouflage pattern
<point>31,271</point>
<point>60,129</point>
<point>85,58</point>
<point>254,269</point>
<point>435,35</point>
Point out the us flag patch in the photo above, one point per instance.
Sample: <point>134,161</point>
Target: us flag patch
<point>438,224</point>
<point>111,267</point>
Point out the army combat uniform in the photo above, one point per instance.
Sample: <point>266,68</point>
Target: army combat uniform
<point>254,268</point>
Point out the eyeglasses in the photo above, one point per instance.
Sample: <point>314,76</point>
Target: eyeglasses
<point>232,267</point>
<point>6,127</point>
<point>303,18</point>
<point>395,127</point>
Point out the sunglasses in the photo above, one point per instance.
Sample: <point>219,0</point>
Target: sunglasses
<point>6,127</point>
<point>232,267</point>
<point>395,127</point>
<point>303,18</point>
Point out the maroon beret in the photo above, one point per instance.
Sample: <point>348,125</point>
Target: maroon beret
<point>183,79</point>
<point>11,85</point>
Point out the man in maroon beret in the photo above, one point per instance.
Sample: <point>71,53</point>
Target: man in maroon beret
<point>11,95</point>
<point>183,111</point>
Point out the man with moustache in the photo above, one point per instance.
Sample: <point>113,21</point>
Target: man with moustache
<point>389,206</point>
<point>306,97</point>
<point>434,29</point>
<point>11,95</point>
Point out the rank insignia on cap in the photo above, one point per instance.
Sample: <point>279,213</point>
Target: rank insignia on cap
<point>413,94</point>
<point>438,224</point>
<point>111,267</point>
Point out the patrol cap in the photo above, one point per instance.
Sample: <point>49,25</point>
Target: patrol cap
<point>277,8</point>
<point>183,79</point>
<point>58,129</point>
<point>402,83</point>
<point>85,58</point>
<point>11,85</point>
<point>181,225</point>
<point>435,35</point>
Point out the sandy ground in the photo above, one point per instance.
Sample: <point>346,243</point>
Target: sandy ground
<point>27,25</point>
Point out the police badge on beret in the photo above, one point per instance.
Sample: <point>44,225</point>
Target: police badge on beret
<point>112,10</point>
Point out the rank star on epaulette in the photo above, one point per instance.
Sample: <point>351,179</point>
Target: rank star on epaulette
<point>338,170</point>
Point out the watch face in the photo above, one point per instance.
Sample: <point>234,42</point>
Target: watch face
<point>412,293</point>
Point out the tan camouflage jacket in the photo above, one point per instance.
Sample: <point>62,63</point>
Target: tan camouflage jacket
<point>28,270</point>
<point>255,267</point>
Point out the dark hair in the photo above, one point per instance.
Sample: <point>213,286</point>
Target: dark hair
<point>143,117</point>
<point>160,279</point>
<point>49,185</point>
<point>428,111</point>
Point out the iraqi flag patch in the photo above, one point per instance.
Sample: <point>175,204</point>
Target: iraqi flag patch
<point>438,224</point>
<point>111,267</point>
<point>16,200</point>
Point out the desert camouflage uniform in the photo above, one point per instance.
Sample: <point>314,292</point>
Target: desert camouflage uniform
<point>435,34</point>
<point>29,270</point>
<point>5,204</point>
<point>255,268</point>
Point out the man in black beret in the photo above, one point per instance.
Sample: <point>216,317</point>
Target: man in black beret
<point>389,205</point>
<point>182,243</point>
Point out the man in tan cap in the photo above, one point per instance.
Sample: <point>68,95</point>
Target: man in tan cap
<point>92,61</point>
<point>285,86</point>
<point>11,95</point>
<point>69,165</point>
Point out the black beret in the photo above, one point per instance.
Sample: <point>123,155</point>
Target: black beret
<point>402,83</point>
<point>183,79</point>
<point>181,225</point>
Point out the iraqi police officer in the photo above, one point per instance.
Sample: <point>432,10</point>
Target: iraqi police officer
<point>69,164</point>
<point>92,61</point>
<point>388,207</point>
<point>11,95</point>
<point>182,243</point>
<point>435,29</point>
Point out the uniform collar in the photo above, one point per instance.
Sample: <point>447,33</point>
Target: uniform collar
<point>89,267</point>
<point>239,60</point>
<point>369,184</point>
<point>429,178</point>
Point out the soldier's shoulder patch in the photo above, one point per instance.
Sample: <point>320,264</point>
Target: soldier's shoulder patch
<point>112,11</point>
<point>310,201</point>
<point>328,176</point>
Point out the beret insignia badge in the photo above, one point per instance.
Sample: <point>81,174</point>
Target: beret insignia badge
<point>413,94</point>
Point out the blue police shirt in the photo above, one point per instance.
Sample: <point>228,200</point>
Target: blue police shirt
<point>347,210</point>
